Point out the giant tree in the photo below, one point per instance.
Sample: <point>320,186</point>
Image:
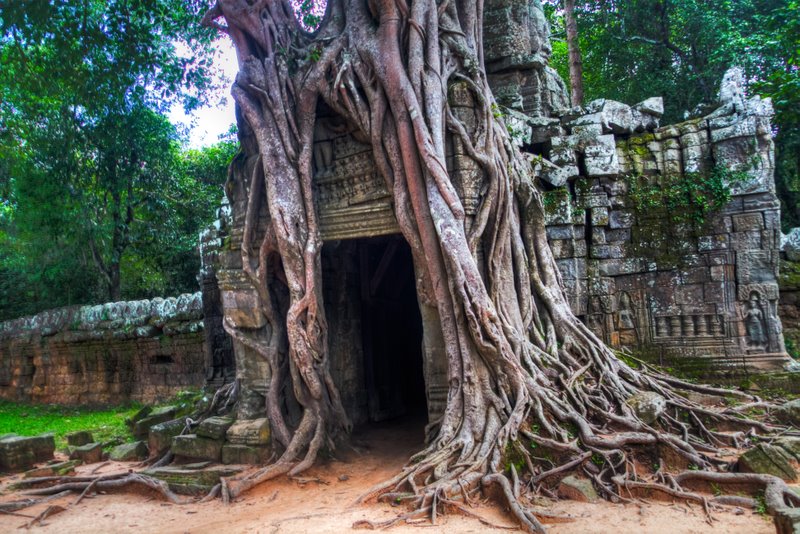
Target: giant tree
<point>522,369</point>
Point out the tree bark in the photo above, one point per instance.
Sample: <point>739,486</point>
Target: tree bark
<point>574,50</point>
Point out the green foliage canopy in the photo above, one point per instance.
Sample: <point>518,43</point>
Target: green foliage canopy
<point>680,49</point>
<point>97,199</point>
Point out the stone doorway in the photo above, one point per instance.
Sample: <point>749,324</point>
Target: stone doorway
<point>375,328</point>
<point>391,329</point>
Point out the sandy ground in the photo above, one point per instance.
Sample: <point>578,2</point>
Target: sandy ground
<point>287,506</point>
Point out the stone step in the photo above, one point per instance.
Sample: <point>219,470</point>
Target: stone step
<point>193,446</point>
<point>187,481</point>
<point>245,454</point>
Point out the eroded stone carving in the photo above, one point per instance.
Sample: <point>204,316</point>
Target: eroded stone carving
<point>754,322</point>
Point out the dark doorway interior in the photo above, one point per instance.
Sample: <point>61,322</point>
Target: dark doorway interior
<point>391,329</point>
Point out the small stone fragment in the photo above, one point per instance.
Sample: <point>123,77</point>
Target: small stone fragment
<point>577,489</point>
<point>129,452</point>
<point>56,469</point>
<point>647,405</point>
<point>82,437</point>
<point>89,454</point>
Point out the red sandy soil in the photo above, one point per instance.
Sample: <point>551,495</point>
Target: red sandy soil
<point>328,505</point>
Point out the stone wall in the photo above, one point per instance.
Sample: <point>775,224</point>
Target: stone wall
<point>701,297</point>
<point>698,298</point>
<point>143,351</point>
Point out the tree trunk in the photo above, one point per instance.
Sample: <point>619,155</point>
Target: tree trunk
<point>523,371</point>
<point>574,49</point>
<point>114,282</point>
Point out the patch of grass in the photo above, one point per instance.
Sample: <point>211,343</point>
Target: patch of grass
<point>105,424</point>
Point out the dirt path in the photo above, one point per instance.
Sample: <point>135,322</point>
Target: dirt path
<point>286,506</point>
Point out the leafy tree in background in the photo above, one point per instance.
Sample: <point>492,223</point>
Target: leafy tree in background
<point>96,198</point>
<point>782,83</point>
<point>680,49</point>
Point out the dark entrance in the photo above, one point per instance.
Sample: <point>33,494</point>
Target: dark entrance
<point>391,328</point>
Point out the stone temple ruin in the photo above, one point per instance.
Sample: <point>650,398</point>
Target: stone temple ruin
<point>693,298</point>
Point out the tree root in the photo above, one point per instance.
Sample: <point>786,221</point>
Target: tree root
<point>110,483</point>
<point>14,506</point>
<point>47,512</point>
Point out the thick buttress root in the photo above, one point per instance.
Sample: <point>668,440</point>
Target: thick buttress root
<point>524,374</point>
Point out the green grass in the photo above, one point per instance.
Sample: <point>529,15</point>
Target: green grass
<point>105,424</point>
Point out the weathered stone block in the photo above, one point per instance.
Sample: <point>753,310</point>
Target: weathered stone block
<point>768,459</point>
<point>76,439</point>
<point>192,446</point>
<point>616,267</point>
<point>562,248</point>
<point>249,432</point>
<point>601,157</point>
<point>129,452</point>
<point>245,454</point>
<point>746,222</point>
<point>579,248</point>
<point>647,405</point>
<point>618,219</point>
<point>712,242</point>
<point>746,240</point>
<point>56,469</point>
<point>89,454</point>
<point>214,427</point>
<point>18,453</point>
<point>599,216</point>
<point>187,481</point>
<point>577,489</point>
<point>743,128</point>
<point>755,266</point>
<point>572,269</point>
<point>598,236</point>
<point>143,412</point>
<point>652,106</point>
<point>159,415</point>
<point>560,231</point>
